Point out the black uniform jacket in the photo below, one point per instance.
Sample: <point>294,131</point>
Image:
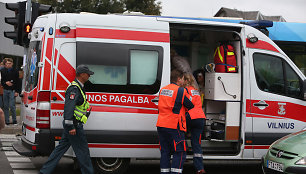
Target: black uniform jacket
<point>11,75</point>
<point>73,97</point>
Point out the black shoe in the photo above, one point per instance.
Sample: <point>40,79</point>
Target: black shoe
<point>15,122</point>
<point>7,124</point>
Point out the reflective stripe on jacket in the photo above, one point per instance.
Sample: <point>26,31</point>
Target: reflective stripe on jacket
<point>171,108</point>
<point>197,111</point>
<point>80,110</point>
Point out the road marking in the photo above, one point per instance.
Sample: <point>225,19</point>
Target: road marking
<point>19,164</point>
<point>18,159</point>
<point>25,171</point>
<point>22,165</point>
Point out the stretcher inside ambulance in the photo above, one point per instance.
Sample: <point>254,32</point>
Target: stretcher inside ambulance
<point>246,110</point>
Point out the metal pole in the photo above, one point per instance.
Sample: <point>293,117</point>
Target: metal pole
<point>28,12</point>
<point>28,17</point>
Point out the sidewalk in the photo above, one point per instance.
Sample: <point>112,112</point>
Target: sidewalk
<point>13,129</point>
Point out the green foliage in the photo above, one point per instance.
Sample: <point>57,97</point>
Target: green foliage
<point>148,7</point>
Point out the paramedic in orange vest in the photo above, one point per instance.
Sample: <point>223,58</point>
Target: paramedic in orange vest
<point>195,122</point>
<point>171,124</point>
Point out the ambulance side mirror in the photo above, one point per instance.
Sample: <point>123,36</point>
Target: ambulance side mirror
<point>304,90</point>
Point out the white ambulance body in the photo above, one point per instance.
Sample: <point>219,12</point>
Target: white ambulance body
<point>130,55</point>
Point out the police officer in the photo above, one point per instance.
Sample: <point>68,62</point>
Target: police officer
<point>75,116</point>
<point>171,124</point>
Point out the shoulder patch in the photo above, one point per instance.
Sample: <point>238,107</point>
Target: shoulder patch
<point>167,92</point>
<point>194,92</point>
<point>72,95</point>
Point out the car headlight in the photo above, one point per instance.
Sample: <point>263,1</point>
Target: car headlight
<point>301,161</point>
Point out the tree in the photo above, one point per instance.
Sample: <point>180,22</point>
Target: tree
<point>148,7</point>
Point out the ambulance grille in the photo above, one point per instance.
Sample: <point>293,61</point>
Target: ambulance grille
<point>284,154</point>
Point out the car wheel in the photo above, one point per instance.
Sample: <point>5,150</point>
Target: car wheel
<point>111,165</point>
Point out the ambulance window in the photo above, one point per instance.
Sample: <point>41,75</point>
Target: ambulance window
<point>143,67</point>
<point>293,82</point>
<point>276,76</point>
<point>121,68</point>
<point>269,73</point>
<point>31,66</point>
<point>108,75</point>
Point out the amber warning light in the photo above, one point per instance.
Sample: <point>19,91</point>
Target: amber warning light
<point>27,28</point>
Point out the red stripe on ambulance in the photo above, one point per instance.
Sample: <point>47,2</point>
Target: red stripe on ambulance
<point>46,81</point>
<point>261,45</point>
<point>151,146</point>
<point>257,147</point>
<point>122,34</point>
<point>123,110</point>
<point>277,109</point>
<point>121,99</point>
<point>49,48</point>
<point>70,34</point>
<point>67,70</point>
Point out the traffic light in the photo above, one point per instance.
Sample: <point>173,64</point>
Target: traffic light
<point>39,9</point>
<point>27,28</point>
<point>18,21</point>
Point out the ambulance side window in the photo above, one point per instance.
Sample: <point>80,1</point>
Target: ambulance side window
<point>31,67</point>
<point>144,66</point>
<point>274,75</point>
<point>121,68</point>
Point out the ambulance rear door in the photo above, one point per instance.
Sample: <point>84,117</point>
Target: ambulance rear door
<point>63,69</point>
<point>36,81</point>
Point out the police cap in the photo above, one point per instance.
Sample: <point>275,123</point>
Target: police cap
<point>83,69</point>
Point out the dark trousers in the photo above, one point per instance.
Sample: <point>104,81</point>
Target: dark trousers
<point>196,127</point>
<point>80,148</point>
<point>9,104</point>
<point>172,141</point>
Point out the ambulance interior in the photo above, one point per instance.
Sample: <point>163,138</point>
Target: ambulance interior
<point>222,91</point>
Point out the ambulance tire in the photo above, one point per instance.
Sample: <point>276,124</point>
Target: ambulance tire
<point>111,165</point>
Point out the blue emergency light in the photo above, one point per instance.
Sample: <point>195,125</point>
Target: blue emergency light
<point>259,23</point>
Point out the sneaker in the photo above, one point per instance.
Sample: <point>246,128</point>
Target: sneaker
<point>201,171</point>
<point>15,123</point>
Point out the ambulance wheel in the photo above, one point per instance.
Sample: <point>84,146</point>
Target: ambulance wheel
<point>111,165</point>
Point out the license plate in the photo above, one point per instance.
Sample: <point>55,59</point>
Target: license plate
<point>275,166</point>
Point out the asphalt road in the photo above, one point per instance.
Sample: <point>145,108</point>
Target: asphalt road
<point>152,167</point>
<point>13,163</point>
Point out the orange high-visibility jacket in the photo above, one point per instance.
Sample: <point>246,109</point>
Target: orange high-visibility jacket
<point>171,107</point>
<point>197,111</point>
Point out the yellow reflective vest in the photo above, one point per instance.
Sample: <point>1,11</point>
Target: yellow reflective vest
<point>80,110</point>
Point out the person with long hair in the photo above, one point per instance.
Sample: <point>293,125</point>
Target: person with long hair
<point>195,122</point>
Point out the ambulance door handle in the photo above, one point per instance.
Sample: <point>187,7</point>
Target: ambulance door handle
<point>261,103</point>
<point>154,100</point>
<point>54,98</point>
<point>30,97</point>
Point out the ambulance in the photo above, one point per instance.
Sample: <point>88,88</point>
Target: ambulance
<point>246,110</point>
